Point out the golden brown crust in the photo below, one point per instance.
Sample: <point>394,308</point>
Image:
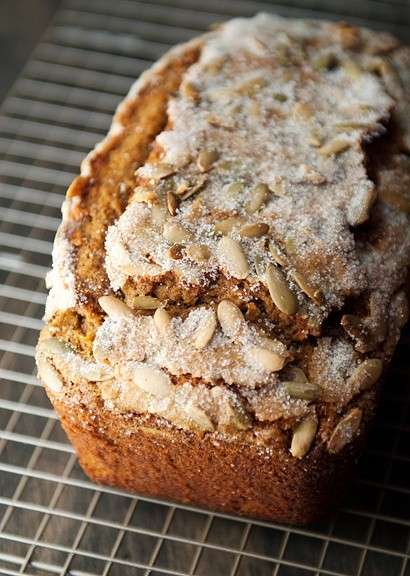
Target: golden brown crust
<point>256,478</point>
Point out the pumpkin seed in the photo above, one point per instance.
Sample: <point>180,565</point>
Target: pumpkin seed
<point>158,214</point>
<point>349,36</point>
<point>176,252</point>
<point>255,230</point>
<point>345,431</point>
<point>315,139</point>
<point>306,287</point>
<point>233,257</point>
<point>279,97</point>
<point>162,320</point>
<point>219,122</point>
<point>278,187</point>
<point>268,359</point>
<point>114,307</point>
<point>334,147</point>
<point>260,270</point>
<point>302,390</point>
<point>251,87</point>
<point>347,126</point>
<point>49,375</point>
<point>295,374</point>
<point>235,188</point>
<point>205,331</point>
<point>194,188</point>
<point>303,437</point>
<point>230,317</point>
<point>366,374</point>
<point>206,159</point>
<point>279,290</point>
<point>226,226</point>
<point>359,209</point>
<point>142,194</point>
<point>352,69</point>
<point>198,418</point>
<point>302,110</point>
<point>53,346</point>
<point>146,302</point>
<point>160,170</point>
<point>176,233</point>
<point>276,254</point>
<point>172,203</point>
<point>198,252</point>
<point>152,380</point>
<point>259,195</point>
<point>182,188</point>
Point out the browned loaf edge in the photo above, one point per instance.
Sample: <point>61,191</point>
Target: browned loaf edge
<point>236,477</point>
<point>248,469</point>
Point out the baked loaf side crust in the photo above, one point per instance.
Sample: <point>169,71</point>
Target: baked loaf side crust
<point>250,477</point>
<point>229,280</point>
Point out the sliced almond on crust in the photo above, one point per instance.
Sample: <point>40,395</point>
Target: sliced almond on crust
<point>152,380</point>
<point>345,431</point>
<point>114,307</point>
<point>282,296</point>
<point>230,318</point>
<point>205,331</point>
<point>303,436</point>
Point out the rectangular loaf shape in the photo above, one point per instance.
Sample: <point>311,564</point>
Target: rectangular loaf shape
<point>230,277</point>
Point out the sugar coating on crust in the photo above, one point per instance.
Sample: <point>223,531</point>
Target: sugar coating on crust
<point>260,183</point>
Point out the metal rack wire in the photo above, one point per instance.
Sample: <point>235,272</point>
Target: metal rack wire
<point>53,520</point>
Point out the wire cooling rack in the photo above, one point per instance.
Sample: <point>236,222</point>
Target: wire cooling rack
<point>53,520</point>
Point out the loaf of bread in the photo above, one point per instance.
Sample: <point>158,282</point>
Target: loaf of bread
<point>229,279</point>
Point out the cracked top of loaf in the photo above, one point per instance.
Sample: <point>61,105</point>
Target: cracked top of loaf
<point>235,252</point>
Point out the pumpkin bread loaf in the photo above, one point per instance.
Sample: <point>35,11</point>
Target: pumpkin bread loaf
<point>229,279</point>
